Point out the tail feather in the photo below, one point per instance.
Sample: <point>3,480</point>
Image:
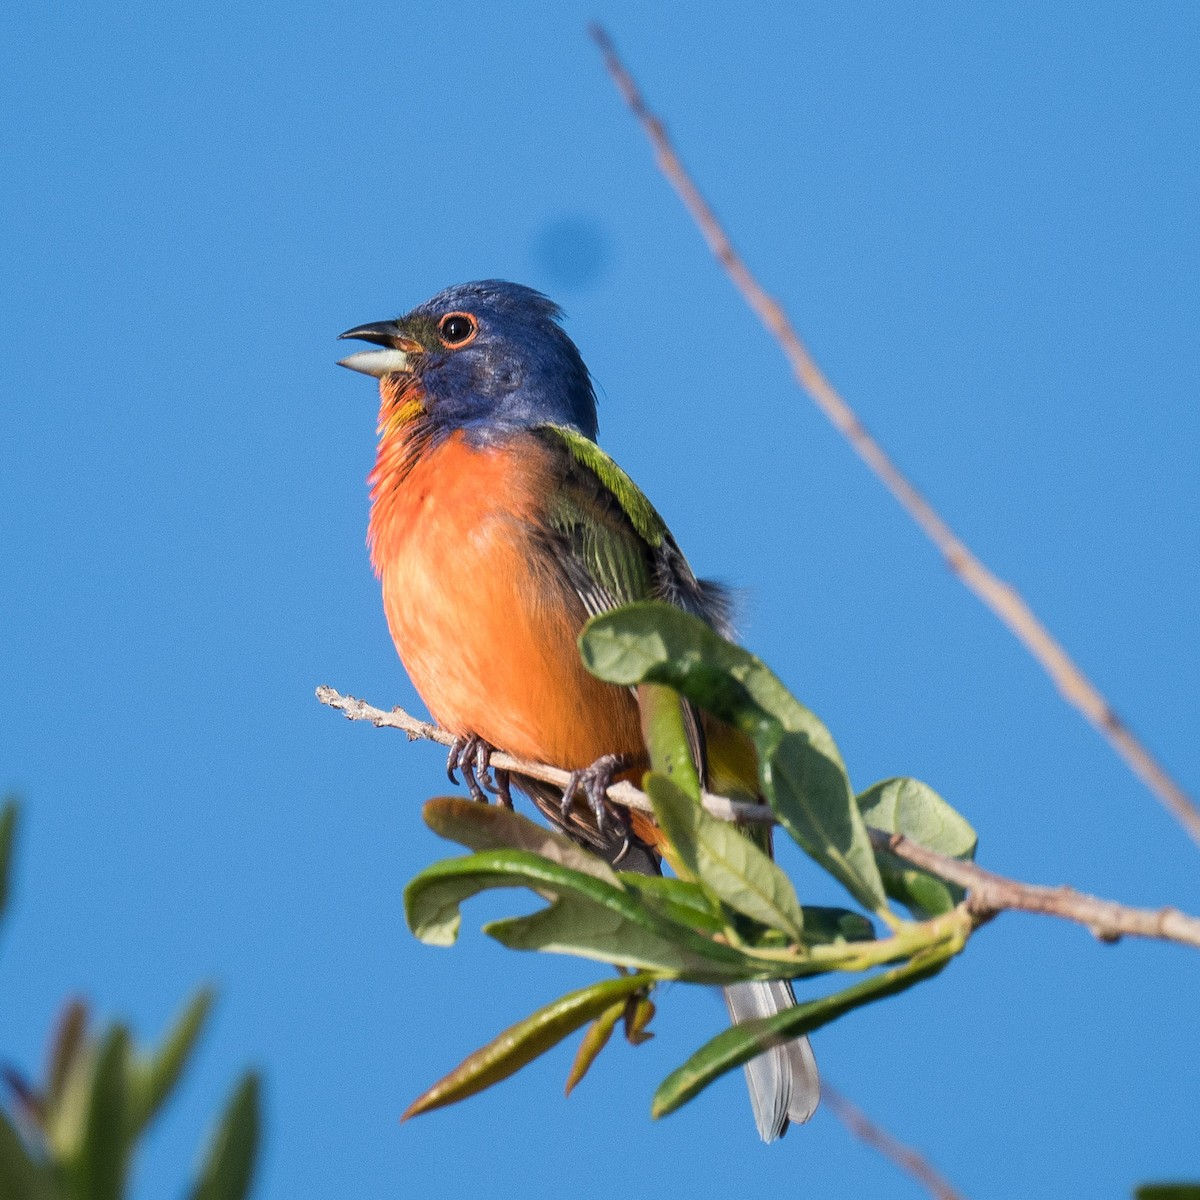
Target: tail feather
<point>783,1081</point>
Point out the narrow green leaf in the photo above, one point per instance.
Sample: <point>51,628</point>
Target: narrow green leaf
<point>914,809</point>
<point>593,1042</point>
<point>21,1178</point>
<point>493,827</point>
<point>664,730</point>
<point>1167,1191</point>
<point>8,832</point>
<point>99,1170</point>
<point>740,1043</point>
<point>228,1168</point>
<point>523,1042</point>
<point>155,1079</point>
<point>800,770</point>
<point>588,918</point>
<point>69,1042</point>
<point>724,860</point>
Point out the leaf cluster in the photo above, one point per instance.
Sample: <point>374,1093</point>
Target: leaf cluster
<point>73,1134</point>
<point>730,913</point>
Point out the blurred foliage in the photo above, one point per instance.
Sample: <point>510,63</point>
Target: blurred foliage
<point>74,1134</point>
<point>730,913</point>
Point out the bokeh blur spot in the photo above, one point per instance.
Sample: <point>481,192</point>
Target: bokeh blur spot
<point>573,250</point>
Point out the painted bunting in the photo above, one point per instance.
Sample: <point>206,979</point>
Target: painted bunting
<point>497,527</point>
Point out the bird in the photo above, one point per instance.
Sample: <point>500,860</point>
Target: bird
<point>498,527</point>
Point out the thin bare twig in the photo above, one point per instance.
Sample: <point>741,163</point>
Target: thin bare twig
<point>904,1157</point>
<point>989,893</point>
<point>1000,597</point>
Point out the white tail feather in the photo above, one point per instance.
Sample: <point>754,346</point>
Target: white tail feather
<point>783,1082</point>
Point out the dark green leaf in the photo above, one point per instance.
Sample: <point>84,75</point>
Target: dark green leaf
<point>1167,1191</point>
<point>228,1168</point>
<point>800,770</point>
<point>588,918</point>
<point>523,1042</point>
<point>664,730</point>
<point>8,830</point>
<point>823,925</point>
<point>914,809</point>
<point>593,1042</point>
<point>679,901</point>
<point>156,1078</point>
<point>20,1177</point>
<point>100,1167</point>
<point>493,827</point>
<point>724,860</point>
<point>740,1043</point>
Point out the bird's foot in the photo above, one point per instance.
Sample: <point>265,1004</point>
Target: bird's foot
<point>503,793</point>
<point>594,783</point>
<point>473,757</point>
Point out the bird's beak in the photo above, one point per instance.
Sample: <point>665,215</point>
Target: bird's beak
<point>396,357</point>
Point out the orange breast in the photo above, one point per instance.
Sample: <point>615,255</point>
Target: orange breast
<point>482,614</point>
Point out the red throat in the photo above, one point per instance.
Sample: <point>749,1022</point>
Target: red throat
<point>404,435</point>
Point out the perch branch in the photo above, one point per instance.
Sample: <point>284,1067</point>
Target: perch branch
<point>989,893</point>
<point>905,1157</point>
<point>1003,599</point>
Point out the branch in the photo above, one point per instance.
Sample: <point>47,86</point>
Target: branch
<point>624,794</point>
<point>1004,601</point>
<point>989,894</point>
<point>906,1158</point>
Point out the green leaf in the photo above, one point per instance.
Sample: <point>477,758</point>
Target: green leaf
<point>67,1049</point>
<point>800,770</point>
<point>740,1043</point>
<point>664,730</point>
<point>823,925</point>
<point>8,830</point>
<point>593,1042</point>
<point>494,827</point>
<point>99,1169</point>
<point>588,918</point>
<point>914,809</point>
<point>228,1168</point>
<point>155,1079</point>
<point>724,860</point>
<point>1167,1191</point>
<point>21,1178</point>
<point>676,899</point>
<point>525,1041</point>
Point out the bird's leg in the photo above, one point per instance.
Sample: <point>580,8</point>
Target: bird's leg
<point>503,793</point>
<point>594,782</point>
<point>472,756</point>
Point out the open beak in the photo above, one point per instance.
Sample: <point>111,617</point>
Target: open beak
<point>396,356</point>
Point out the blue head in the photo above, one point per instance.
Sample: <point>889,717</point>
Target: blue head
<point>486,357</point>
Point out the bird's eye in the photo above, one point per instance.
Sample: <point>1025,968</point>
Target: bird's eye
<point>457,329</point>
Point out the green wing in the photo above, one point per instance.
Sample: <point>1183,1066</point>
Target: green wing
<point>615,547</point>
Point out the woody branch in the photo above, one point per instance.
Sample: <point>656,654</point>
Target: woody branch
<point>990,894</point>
<point>1002,598</point>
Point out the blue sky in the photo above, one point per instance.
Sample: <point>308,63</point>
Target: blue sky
<point>982,219</point>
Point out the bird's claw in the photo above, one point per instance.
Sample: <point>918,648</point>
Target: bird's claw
<point>472,756</point>
<point>594,782</point>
